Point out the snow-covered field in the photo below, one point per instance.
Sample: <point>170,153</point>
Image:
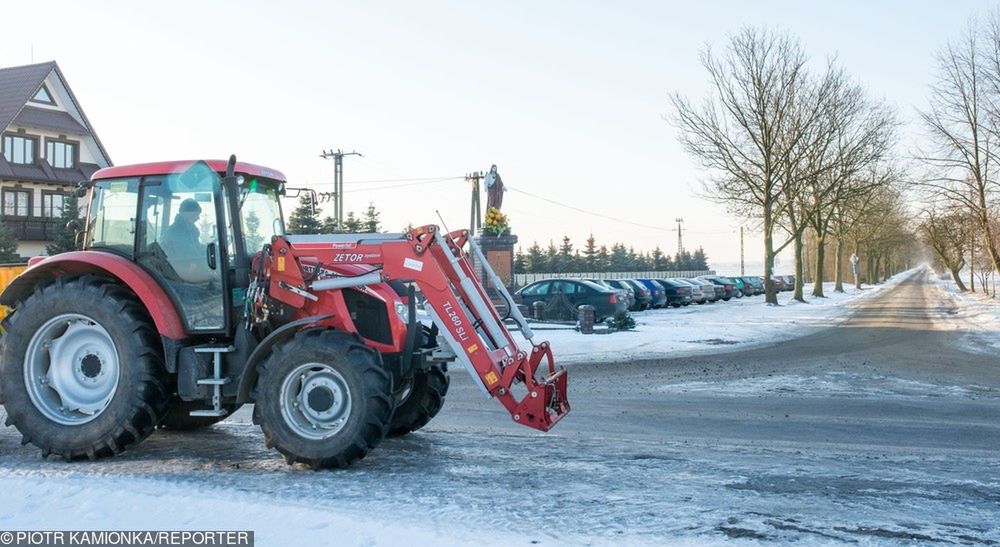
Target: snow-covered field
<point>976,313</point>
<point>711,328</point>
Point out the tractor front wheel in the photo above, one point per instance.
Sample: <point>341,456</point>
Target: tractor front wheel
<point>421,400</point>
<point>324,399</point>
<point>81,369</point>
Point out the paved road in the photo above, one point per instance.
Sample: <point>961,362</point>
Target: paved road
<point>885,428</point>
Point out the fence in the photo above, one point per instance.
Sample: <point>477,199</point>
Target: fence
<point>523,279</point>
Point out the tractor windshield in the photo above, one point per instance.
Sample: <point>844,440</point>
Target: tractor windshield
<point>260,212</point>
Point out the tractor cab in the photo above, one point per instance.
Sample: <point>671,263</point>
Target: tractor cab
<point>175,220</point>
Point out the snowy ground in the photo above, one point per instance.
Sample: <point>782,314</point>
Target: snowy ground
<point>735,325</point>
<point>884,430</point>
<point>977,314</point>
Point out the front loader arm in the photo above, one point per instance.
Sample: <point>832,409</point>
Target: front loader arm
<point>528,384</point>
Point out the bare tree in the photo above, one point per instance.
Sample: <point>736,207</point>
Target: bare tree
<point>946,233</point>
<point>750,130</point>
<point>962,120</point>
<point>863,135</point>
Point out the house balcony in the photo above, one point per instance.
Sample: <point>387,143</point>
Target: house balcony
<point>33,228</point>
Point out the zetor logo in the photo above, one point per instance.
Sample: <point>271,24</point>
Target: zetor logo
<point>459,329</point>
<point>348,257</point>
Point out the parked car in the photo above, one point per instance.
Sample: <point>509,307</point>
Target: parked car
<point>643,297</point>
<point>753,285</point>
<point>790,281</point>
<point>713,292</point>
<point>634,303</point>
<point>606,301</point>
<point>656,291</point>
<point>627,294</point>
<point>697,290</point>
<point>729,288</point>
<point>740,288</point>
<point>780,284</point>
<point>678,293</point>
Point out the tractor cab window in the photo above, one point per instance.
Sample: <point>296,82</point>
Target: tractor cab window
<point>260,212</point>
<point>111,223</point>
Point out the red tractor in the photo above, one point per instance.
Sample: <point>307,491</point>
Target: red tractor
<point>175,315</point>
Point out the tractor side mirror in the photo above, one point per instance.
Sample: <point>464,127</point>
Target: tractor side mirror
<point>82,187</point>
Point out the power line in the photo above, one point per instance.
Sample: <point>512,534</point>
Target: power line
<point>373,181</point>
<point>592,213</point>
<point>419,183</point>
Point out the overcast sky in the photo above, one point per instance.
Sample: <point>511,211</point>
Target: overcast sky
<point>568,98</point>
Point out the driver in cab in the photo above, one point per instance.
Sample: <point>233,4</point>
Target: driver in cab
<point>182,244</point>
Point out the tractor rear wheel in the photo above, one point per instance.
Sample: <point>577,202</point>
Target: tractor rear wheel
<point>324,399</point>
<point>81,369</point>
<point>421,401</point>
<point>179,416</point>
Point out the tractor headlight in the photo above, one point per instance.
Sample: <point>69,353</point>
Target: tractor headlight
<point>403,311</point>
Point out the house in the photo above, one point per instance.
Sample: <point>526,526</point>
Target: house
<point>47,147</point>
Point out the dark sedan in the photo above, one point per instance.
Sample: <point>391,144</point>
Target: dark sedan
<point>636,302</point>
<point>606,302</point>
<point>644,298</point>
<point>678,293</point>
<point>656,291</point>
<point>727,284</point>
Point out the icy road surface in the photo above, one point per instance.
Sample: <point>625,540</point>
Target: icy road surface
<point>883,429</point>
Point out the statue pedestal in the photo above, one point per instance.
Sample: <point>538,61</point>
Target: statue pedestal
<point>499,251</point>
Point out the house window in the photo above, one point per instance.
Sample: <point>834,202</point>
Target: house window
<point>19,149</point>
<point>61,154</point>
<point>16,202</point>
<point>52,204</point>
<point>43,96</point>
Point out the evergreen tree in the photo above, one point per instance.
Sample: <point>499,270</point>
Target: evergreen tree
<point>519,262</point>
<point>565,257</point>
<point>590,255</point>
<point>699,261</point>
<point>328,226</point>
<point>551,259</point>
<point>619,260</point>
<point>682,261</point>
<point>65,238</point>
<point>8,244</point>
<point>658,259</point>
<point>603,262</point>
<point>535,259</point>
<point>353,225</point>
<point>371,222</point>
<point>642,263</point>
<point>305,217</point>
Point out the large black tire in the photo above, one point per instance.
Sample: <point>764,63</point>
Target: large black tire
<point>362,376</point>
<point>136,403</point>
<point>178,416</point>
<point>423,402</point>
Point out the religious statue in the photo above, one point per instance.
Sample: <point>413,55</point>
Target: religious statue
<point>494,189</point>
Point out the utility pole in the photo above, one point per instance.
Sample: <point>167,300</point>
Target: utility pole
<point>338,181</point>
<point>680,239</point>
<point>476,216</point>
<point>743,270</point>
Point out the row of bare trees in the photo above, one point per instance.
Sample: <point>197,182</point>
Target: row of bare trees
<point>959,182</point>
<point>797,151</point>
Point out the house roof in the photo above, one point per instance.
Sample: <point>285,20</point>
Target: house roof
<point>20,83</point>
<point>55,120</point>
<point>43,172</point>
<point>17,86</point>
